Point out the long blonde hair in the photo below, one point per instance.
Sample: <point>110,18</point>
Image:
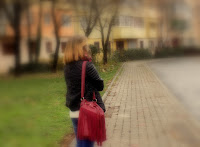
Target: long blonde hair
<point>74,50</point>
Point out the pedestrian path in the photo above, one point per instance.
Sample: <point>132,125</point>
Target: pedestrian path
<point>141,112</point>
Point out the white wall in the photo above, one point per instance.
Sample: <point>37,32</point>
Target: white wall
<point>7,61</point>
<point>24,51</point>
<point>44,55</point>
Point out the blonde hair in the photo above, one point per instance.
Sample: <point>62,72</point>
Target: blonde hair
<point>74,50</point>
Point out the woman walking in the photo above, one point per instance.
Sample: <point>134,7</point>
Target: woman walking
<point>76,52</point>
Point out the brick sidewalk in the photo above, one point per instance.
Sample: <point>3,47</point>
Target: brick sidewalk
<point>141,112</point>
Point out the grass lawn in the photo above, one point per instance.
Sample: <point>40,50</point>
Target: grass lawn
<point>32,109</point>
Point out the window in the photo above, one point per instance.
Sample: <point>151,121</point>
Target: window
<point>83,22</point>
<point>8,48</point>
<point>2,29</point>
<point>28,19</point>
<point>151,44</point>
<point>31,18</point>
<point>66,20</point>
<point>132,44</point>
<point>47,18</point>
<point>33,45</point>
<point>131,21</point>
<point>96,44</point>
<point>138,22</point>
<point>2,24</point>
<point>124,21</point>
<point>117,21</point>
<point>2,18</point>
<point>141,44</point>
<point>120,45</point>
<point>49,47</point>
<point>152,25</point>
<point>63,46</point>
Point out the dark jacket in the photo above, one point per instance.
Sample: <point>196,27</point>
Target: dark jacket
<point>93,82</point>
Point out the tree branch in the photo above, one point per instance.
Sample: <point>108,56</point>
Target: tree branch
<point>8,13</point>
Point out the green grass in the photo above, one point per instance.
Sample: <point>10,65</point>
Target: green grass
<point>32,109</point>
<point>110,71</point>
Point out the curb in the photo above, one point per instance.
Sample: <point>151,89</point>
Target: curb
<point>112,82</point>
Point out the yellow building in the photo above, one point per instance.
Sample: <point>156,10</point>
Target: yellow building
<point>134,28</point>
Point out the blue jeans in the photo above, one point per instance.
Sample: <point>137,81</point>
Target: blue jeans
<point>80,143</point>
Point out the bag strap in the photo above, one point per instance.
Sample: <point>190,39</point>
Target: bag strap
<point>83,81</point>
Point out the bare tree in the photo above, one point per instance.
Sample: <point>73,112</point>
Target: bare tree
<point>86,11</point>
<point>107,11</point>
<point>33,45</point>
<point>164,9</point>
<point>13,10</point>
<point>39,34</point>
<point>57,24</point>
<point>28,18</point>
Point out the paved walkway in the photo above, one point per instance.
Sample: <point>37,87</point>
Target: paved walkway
<point>141,112</point>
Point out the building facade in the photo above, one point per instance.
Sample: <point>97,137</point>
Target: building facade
<point>40,17</point>
<point>136,27</point>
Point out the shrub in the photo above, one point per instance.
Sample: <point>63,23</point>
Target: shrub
<point>118,56</point>
<point>131,54</point>
<point>191,51</point>
<point>94,52</point>
<point>60,64</point>
<point>33,68</point>
<point>169,52</point>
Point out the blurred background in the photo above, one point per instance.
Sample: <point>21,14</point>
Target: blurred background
<point>33,37</point>
<point>35,31</point>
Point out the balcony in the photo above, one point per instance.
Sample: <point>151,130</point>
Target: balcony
<point>128,32</point>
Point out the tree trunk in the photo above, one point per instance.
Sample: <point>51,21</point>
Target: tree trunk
<point>38,40</point>
<point>55,59</point>
<point>30,55</point>
<point>105,52</point>
<point>87,33</point>
<point>37,52</point>
<point>17,38</point>
<point>56,30</point>
<point>17,51</point>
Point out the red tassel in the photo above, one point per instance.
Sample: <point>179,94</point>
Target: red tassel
<point>91,124</point>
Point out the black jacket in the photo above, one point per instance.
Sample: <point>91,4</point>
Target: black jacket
<point>93,82</point>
